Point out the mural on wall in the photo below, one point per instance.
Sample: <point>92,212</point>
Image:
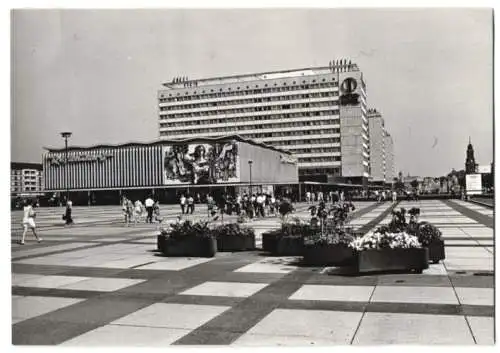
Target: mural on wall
<point>200,164</point>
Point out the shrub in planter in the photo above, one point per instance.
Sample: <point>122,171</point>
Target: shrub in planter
<point>329,243</point>
<point>288,240</point>
<point>430,236</point>
<point>389,252</point>
<point>185,238</point>
<point>233,237</point>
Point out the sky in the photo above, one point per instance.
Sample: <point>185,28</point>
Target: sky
<point>97,72</point>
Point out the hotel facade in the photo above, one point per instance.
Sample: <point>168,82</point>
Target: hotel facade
<point>318,114</point>
<point>381,149</point>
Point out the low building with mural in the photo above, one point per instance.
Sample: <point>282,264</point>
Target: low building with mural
<point>102,174</point>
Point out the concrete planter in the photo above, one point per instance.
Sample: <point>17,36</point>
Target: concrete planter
<point>413,259</point>
<point>328,255</point>
<point>436,251</point>
<point>190,246</point>
<point>235,243</point>
<point>160,242</point>
<point>283,245</point>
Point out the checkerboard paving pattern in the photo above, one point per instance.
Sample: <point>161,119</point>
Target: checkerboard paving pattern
<point>94,291</point>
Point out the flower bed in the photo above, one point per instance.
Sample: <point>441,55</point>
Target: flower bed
<point>385,251</point>
<point>232,237</point>
<point>428,235</point>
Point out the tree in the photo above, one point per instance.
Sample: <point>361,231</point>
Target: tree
<point>414,183</point>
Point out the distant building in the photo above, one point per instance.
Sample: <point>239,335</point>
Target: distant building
<point>390,165</point>
<point>26,179</point>
<point>317,113</point>
<point>102,174</point>
<point>470,162</point>
<point>381,149</point>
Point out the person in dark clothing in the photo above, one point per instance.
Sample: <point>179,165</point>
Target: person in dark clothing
<point>67,215</point>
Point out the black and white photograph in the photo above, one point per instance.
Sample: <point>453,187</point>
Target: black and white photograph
<point>311,176</point>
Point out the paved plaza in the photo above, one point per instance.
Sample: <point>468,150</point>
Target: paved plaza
<point>102,283</point>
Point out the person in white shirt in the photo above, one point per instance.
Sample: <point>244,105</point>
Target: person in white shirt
<point>260,205</point>
<point>149,203</point>
<point>308,197</point>
<point>394,196</point>
<point>183,203</point>
<point>29,221</point>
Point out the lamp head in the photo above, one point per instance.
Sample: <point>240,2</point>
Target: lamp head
<point>66,134</point>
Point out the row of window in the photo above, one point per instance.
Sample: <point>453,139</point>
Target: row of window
<point>242,129</point>
<point>256,125</point>
<point>316,150</point>
<point>313,171</point>
<point>228,120</point>
<point>319,159</point>
<point>283,144</point>
<point>242,91</point>
<point>250,101</point>
<point>250,110</point>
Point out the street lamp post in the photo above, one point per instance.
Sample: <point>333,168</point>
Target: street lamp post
<point>65,135</point>
<point>250,165</point>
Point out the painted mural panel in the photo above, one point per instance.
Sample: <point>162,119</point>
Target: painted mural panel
<point>201,163</point>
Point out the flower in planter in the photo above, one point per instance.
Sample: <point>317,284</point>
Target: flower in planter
<point>385,241</point>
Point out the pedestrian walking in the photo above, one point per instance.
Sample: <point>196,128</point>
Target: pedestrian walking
<point>68,214</point>
<point>156,212</point>
<point>137,211</point>
<point>394,196</point>
<point>308,197</point>
<point>190,204</point>
<point>149,203</point>
<point>29,215</point>
<point>260,205</point>
<point>182,202</point>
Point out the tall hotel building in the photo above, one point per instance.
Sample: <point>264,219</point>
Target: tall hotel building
<point>318,114</point>
<point>381,149</point>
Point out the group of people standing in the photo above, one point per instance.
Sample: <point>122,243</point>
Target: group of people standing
<point>333,196</point>
<point>255,205</point>
<point>136,212</point>
<point>187,204</point>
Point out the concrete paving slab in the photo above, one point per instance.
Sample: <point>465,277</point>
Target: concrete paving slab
<point>102,284</point>
<point>28,307</point>
<point>47,249</point>
<point>118,335</point>
<point>390,328</point>
<point>411,294</point>
<point>18,278</point>
<point>271,265</point>
<point>173,263</point>
<point>51,281</point>
<point>258,340</point>
<point>334,326</point>
<point>475,296</point>
<point>482,329</point>
<point>333,293</point>
<point>225,289</point>
<point>183,316</point>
